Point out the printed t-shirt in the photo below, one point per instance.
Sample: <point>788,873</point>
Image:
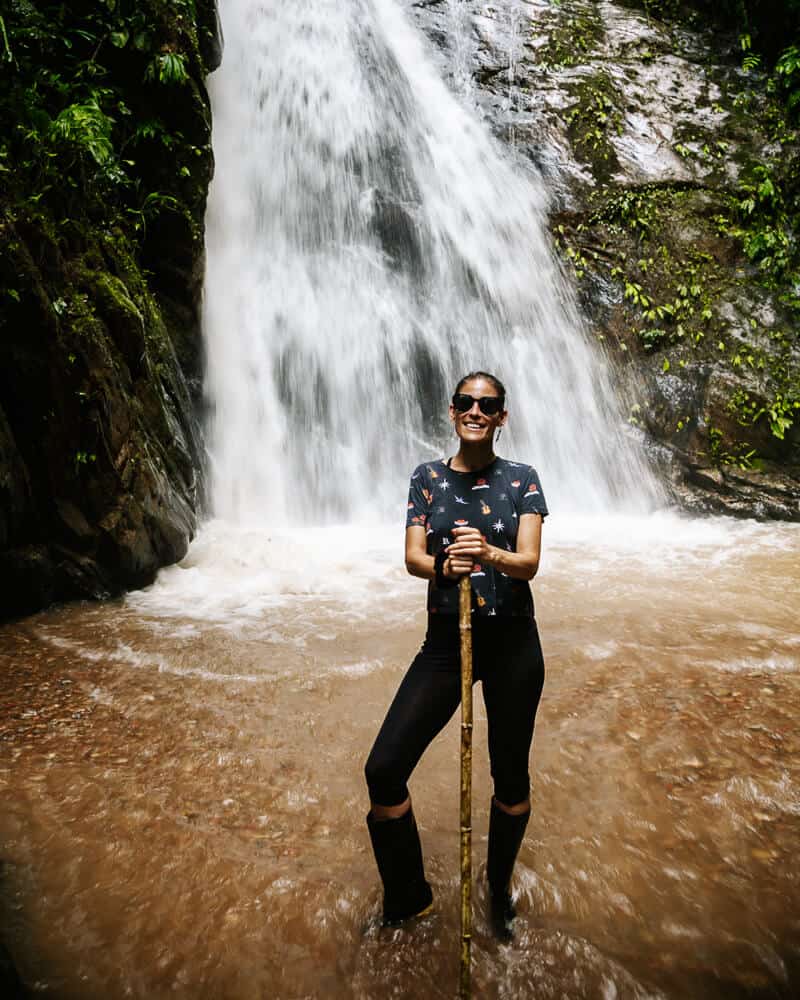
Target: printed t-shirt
<point>492,500</point>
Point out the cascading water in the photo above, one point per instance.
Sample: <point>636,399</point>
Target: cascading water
<point>369,242</point>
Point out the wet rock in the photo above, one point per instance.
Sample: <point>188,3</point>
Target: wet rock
<point>210,36</point>
<point>643,131</point>
<point>14,484</point>
<point>769,494</point>
<point>100,354</point>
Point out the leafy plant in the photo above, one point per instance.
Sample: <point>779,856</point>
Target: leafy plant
<point>787,70</point>
<point>750,60</point>
<point>169,67</point>
<point>781,413</point>
<point>742,457</point>
<point>86,128</point>
<point>82,458</point>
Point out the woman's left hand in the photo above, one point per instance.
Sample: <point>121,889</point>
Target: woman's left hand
<point>469,542</point>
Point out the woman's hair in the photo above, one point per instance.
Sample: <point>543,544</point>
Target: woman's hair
<point>495,381</point>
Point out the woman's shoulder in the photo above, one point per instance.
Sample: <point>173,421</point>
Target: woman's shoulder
<point>429,470</point>
<point>517,470</point>
<point>525,487</point>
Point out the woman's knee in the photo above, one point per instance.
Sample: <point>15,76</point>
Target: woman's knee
<point>385,780</point>
<point>514,808</point>
<point>512,790</point>
<point>380,812</point>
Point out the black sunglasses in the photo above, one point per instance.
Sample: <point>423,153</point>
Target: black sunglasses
<point>489,406</point>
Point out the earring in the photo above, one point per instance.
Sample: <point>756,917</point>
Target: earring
<point>499,432</point>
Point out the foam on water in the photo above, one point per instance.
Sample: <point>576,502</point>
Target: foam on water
<point>239,573</point>
<point>167,663</point>
<point>755,664</point>
<point>246,573</point>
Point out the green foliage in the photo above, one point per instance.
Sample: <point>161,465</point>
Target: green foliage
<point>677,296</point>
<point>742,456</point>
<point>751,61</point>
<point>101,178</point>
<point>631,208</point>
<point>764,213</point>
<point>74,91</point>
<point>83,458</point>
<point>571,42</point>
<point>787,71</point>
<point>780,411</point>
<point>671,291</point>
<point>768,36</point>
<point>592,119</point>
<point>86,128</point>
<point>591,122</point>
<point>167,67</point>
<point>7,56</point>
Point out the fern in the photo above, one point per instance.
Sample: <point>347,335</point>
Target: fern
<point>87,128</point>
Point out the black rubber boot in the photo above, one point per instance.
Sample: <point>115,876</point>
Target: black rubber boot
<point>505,836</point>
<point>399,856</point>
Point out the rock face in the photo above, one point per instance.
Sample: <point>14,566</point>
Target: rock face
<point>657,145</point>
<point>100,347</point>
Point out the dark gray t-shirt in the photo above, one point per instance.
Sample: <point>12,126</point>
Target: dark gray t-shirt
<point>492,500</point>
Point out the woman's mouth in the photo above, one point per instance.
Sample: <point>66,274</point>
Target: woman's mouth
<point>473,426</point>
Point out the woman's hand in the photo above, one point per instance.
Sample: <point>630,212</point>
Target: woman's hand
<point>469,547</point>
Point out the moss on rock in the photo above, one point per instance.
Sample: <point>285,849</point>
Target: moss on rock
<point>101,271</point>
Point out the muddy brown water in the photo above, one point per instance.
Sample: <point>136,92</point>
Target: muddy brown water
<point>182,803</point>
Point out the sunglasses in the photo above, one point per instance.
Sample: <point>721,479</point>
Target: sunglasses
<point>489,406</point>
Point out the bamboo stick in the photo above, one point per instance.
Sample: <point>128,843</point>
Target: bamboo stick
<point>465,631</point>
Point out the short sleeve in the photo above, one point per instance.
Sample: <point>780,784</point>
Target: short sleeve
<point>419,499</point>
<point>532,500</point>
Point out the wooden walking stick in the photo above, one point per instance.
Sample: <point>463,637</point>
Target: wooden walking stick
<point>465,630</point>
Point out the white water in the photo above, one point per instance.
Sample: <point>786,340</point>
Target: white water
<point>245,579</point>
<point>368,243</point>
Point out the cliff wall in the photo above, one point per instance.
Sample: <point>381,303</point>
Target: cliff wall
<point>105,161</point>
<point>667,132</point>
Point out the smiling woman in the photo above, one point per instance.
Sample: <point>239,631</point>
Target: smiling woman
<point>479,515</point>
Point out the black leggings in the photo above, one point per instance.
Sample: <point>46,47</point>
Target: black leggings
<point>507,658</point>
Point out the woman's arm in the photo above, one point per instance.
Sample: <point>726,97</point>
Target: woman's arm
<point>418,562</point>
<point>521,565</point>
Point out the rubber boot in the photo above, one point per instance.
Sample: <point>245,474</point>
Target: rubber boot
<point>398,853</point>
<point>505,836</point>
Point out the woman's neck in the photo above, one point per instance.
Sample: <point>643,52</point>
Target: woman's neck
<point>472,457</point>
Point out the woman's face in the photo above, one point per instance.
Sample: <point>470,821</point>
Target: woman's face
<point>474,426</point>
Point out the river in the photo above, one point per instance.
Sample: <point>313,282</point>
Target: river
<point>183,805</point>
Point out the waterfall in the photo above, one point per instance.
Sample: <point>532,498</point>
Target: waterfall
<point>368,242</point>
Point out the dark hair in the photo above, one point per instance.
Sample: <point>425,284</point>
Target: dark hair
<point>495,381</point>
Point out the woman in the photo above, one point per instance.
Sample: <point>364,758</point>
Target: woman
<point>477,514</point>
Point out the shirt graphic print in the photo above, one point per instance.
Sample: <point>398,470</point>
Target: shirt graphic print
<point>491,499</point>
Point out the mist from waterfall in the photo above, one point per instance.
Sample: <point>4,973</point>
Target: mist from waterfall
<point>369,242</point>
